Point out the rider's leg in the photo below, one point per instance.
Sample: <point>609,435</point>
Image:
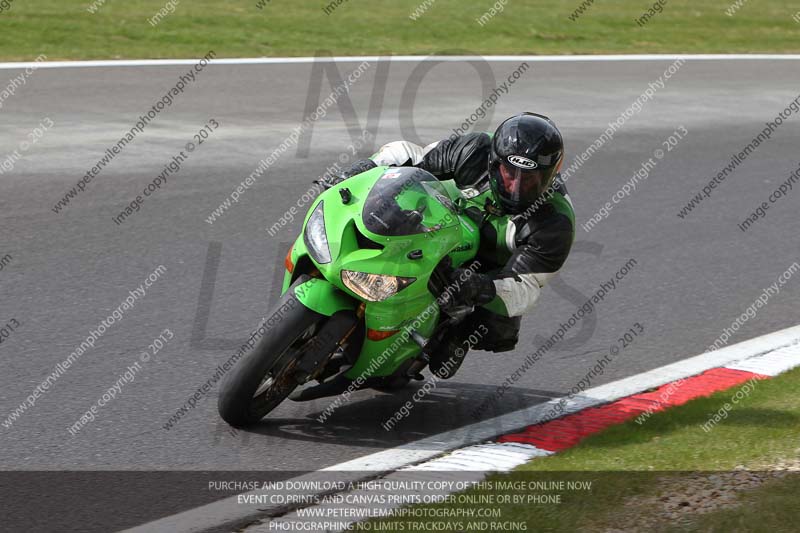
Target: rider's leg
<point>494,333</point>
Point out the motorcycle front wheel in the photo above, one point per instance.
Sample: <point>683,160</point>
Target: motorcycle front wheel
<point>264,376</point>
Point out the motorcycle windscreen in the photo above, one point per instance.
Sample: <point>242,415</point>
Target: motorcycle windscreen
<point>407,201</point>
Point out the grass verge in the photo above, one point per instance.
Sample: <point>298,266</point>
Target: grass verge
<point>666,474</point>
<point>66,29</point>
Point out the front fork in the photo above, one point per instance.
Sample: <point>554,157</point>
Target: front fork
<point>395,333</point>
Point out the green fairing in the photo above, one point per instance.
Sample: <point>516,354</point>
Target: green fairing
<point>412,308</point>
<point>322,297</point>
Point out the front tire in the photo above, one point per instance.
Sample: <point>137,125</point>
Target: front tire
<point>264,376</point>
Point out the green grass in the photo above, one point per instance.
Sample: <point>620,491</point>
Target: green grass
<point>63,29</point>
<point>633,461</point>
<point>772,509</point>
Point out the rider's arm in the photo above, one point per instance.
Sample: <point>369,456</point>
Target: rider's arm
<point>461,158</point>
<point>535,261</point>
<point>393,154</point>
<point>398,154</point>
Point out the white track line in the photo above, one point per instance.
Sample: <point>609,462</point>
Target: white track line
<point>435,479</point>
<point>229,511</point>
<point>771,363</point>
<point>399,59</point>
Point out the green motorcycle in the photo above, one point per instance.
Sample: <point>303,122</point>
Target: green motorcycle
<point>359,303</point>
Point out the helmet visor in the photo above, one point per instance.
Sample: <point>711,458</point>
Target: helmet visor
<point>523,186</point>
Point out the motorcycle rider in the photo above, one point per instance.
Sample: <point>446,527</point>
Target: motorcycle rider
<point>520,164</point>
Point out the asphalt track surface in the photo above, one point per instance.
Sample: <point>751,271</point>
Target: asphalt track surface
<point>692,279</point>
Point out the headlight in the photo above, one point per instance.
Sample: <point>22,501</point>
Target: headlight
<point>315,238</point>
<point>374,287</point>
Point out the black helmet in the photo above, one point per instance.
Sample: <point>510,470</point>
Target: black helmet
<point>526,154</point>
